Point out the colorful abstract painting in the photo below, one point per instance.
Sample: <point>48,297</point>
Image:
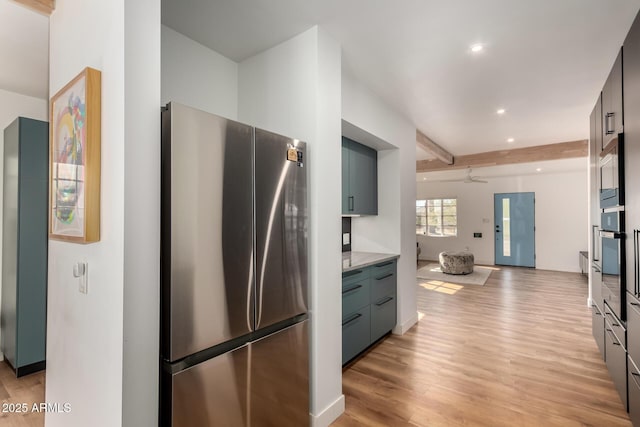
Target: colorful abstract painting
<point>69,117</point>
<point>69,160</point>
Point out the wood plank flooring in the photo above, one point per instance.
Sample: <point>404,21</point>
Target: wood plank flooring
<point>28,389</point>
<point>515,352</point>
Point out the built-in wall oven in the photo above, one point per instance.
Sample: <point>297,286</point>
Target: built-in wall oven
<point>612,173</point>
<point>613,266</point>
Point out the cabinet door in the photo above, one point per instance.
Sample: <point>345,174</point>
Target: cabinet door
<point>597,328</point>
<point>631,75</point>
<point>634,392</point>
<point>346,195</point>
<point>359,179</point>
<point>616,363</point>
<point>363,179</point>
<point>612,113</point>
<point>356,333</point>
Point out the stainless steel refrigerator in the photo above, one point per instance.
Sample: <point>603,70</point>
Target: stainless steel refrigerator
<point>234,323</point>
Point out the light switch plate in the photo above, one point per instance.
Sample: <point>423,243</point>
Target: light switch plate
<point>346,238</point>
<point>80,271</point>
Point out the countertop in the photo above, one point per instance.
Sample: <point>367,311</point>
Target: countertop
<point>353,260</point>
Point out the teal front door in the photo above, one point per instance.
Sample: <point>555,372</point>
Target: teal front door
<point>514,221</point>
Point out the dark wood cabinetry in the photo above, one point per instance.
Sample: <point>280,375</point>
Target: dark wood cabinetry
<point>612,108</point>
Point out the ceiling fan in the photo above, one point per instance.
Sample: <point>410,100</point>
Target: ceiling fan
<point>469,179</point>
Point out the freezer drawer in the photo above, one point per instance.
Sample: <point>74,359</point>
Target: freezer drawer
<point>279,393</point>
<point>207,232</point>
<point>263,383</point>
<point>212,393</point>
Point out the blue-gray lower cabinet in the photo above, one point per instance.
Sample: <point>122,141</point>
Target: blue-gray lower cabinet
<point>368,307</point>
<point>23,318</point>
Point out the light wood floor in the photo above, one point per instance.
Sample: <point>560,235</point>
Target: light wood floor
<point>515,352</point>
<point>28,390</point>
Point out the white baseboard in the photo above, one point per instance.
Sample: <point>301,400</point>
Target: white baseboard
<point>404,327</point>
<point>330,413</point>
<point>589,302</point>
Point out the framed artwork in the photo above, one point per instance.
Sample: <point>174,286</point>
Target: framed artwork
<point>74,161</point>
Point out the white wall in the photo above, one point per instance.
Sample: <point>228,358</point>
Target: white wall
<point>85,332</point>
<point>142,214</point>
<point>294,89</point>
<point>13,105</point>
<point>393,230</point>
<point>561,217</point>
<point>197,76</point>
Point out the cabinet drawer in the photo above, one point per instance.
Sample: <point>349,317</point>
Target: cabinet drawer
<point>383,267</point>
<point>354,296</point>
<point>383,316</point>
<point>633,327</point>
<point>354,276</point>
<point>597,328</point>
<point>383,284</point>
<point>634,391</point>
<point>612,322</point>
<point>356,334</point>
<point>616,364</point>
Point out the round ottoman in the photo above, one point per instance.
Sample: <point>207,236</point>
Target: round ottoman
<point>456,262</point>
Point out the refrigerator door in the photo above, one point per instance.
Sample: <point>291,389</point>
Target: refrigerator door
<point>212,393</point>
<point>281,228</point>
<point>207,232</point>
<point>279,394</point>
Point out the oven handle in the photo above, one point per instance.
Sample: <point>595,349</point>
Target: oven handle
<point>611,234</point>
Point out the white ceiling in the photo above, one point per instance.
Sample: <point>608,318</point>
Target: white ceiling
<point>24,50</point>
<point>544,61</point>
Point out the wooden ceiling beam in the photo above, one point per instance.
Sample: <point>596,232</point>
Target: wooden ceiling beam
<point>562,150</point>
<point>44,7</point>
<point>427,144</point>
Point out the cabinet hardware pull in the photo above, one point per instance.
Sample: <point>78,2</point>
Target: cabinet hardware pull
<point>635,304</point>
<point>384,264</point>
<point>351,319</point>
<point>613,341</point>
<point>634,375</point>
<point>383,302</point>
<point>608,118</point>
<point>351,273</point>
<point>384,277</point>
<point>351,203</point>
<point>344,291</point>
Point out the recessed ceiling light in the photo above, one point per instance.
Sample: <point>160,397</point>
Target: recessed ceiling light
<point>501,111</point>
<point>476,48</point>
<point>538,169</point>
<point>510,140</point>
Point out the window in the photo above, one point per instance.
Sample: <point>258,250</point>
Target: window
<point>437,217</point>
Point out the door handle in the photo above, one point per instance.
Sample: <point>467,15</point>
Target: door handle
<point>608,117</point>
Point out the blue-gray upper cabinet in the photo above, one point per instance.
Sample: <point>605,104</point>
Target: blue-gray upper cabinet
<point>23,316</point>
<point>359,179</point>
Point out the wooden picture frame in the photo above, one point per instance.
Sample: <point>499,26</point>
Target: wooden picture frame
<point>74,160</point>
